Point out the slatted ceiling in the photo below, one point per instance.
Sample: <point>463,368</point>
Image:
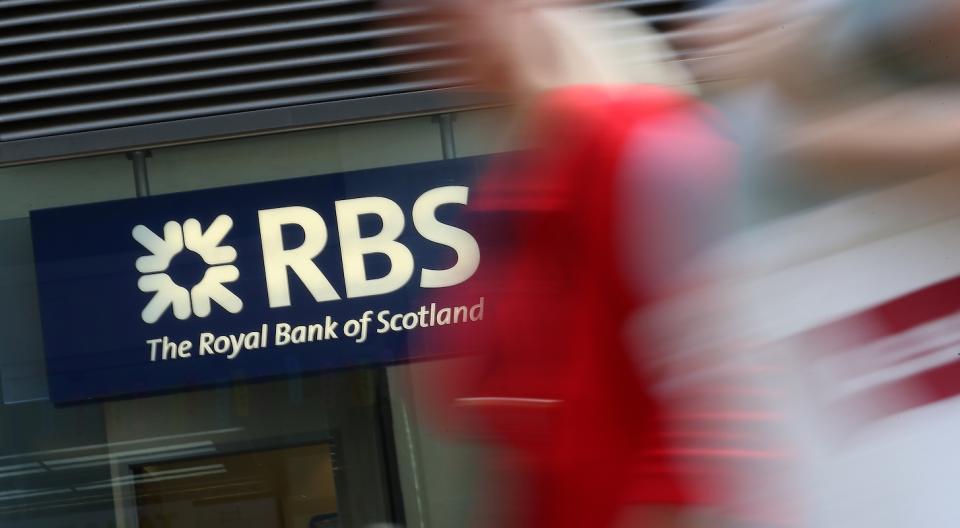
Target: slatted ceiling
<point>74,66</point>
<point>167,22</point>
<point>218,105</point>
<point>301,71</point>
<point>21,3</point>
<point>215,72</point>
<point>690,16</point>
<point>676,21</point>
<point>77,66</point>
<point>80,12</point>
<point>185,34</point>
<point>290,80</point>
<point>636,4</point>
<point>285,47</point>
<point>223,106</point>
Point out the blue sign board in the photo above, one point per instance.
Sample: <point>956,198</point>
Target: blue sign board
<point>253,281</point>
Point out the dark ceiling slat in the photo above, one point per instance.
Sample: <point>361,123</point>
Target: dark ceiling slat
<point>166,22</point>
<point>204,36</point>
<point>9,4</point>
<point>209,54</point>
<point>125,68</point>
<point>273,83</point>
<point>215,72</point>
<point>229,108</point>
<point>88,12</point>
<point>82,67</point>
<point>691,15</point>
<point>311,114</point>
<point>629,4</point>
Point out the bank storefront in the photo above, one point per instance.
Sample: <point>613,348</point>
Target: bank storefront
<point>216,333</point>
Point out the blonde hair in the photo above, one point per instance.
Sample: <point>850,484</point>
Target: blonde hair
<point>559,46</point>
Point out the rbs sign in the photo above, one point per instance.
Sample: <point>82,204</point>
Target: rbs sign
<point>279,261</point>
<point>269,279</point>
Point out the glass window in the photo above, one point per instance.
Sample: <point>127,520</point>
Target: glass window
<point>305,450</point>
<point>295,484</point>
<point>23,188</point>
<point>486,131</point>
<point>294,154</point>
<point>30,427</point>
<point>59,183</point>
<point>449,473</point>
<point>346,448</point>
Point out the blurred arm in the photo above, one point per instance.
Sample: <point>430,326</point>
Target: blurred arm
<point>916,131</point>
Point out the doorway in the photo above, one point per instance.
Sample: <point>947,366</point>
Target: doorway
<point>290,487</point>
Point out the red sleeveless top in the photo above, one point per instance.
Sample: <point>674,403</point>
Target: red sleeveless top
<point>555,380</point>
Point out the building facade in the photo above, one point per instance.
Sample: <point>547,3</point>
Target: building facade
<point>149,103</point>
<point>339,448</point>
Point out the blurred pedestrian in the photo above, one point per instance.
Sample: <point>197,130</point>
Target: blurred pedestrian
<point>582,231</point>
<point>846,281</point>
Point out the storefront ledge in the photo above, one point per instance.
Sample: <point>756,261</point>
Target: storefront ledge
<point>258,122</point>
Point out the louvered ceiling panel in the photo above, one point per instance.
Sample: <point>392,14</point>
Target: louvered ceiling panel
<point>78,66</point>
<point>71,69</point>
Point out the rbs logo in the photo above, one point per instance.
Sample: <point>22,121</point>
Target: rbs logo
<point>211,286</point>
<point>279,260</point>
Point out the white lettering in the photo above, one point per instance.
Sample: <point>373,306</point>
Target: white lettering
<point>299,335</point>
<point>476,311</point>
<point>251,341</point>
<point>463,243</point>
<point>329,328</point>
<point>153,347</point>
<point>443,316</point>
<point>411,320</point>
<point>289,334</point>
<point>364,323</point>
<point>206,339</point>
<point>276,259</point>
<point>282,334</point>
<point>236,342</point>
<point>351,328</point>
<point>221,344</point>
<point>164,349</point>
<point>384,323</point>
<point>353,247</point>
